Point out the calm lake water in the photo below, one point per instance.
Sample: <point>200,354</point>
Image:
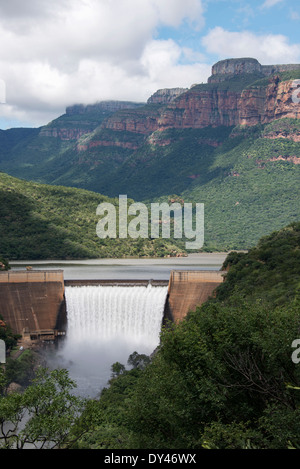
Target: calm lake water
<point>127,269</point>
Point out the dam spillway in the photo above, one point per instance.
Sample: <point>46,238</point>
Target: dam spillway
<point>106,324</point>
<point>101,313</point>
<point>33,303</point>
<point>104,321</point>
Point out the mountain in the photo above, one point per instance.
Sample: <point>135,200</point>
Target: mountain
<point>231,143</point>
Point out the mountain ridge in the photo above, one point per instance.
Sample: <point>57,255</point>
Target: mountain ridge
<point>232,144</point>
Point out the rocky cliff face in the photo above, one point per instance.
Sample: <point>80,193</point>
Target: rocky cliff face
<point>166,96</point>
<point>234,95</point>
<point>65,134</point>
<point>141,121</point>
<point>222,102</point>
<point>230,67</point>
<point>196,108</point>
<point>225,69</point>
<point>263,105</point>
<point>101,106</point>
<point>200,108</point>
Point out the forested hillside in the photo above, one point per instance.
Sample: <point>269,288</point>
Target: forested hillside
<point>39,221</point>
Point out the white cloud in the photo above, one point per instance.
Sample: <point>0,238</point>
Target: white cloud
<point>56,53</point>
<point>271,3</point>
<point>267,48</point>
<point>294,15</point>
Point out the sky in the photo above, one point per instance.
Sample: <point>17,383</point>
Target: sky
<point>62,52</point>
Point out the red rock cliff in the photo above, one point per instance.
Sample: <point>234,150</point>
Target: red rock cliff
<point>214,105</point>
<point>232,96</point>
<point>263,105</point>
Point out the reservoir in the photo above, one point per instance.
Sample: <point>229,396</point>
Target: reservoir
<point>127,269</point>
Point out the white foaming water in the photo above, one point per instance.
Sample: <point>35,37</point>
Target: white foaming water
<point>106,324</point>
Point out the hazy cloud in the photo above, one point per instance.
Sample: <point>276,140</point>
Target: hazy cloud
<point>271,3</point>
<point>55,53</point>
<point>268,48</point>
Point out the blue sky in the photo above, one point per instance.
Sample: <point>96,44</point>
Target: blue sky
<point>54,54</point>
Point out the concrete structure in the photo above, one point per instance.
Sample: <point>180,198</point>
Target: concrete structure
<point>32,303</point>
<point>189,289</point>
<point>117,283</point>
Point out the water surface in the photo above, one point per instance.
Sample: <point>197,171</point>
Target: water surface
<point>127,269</point>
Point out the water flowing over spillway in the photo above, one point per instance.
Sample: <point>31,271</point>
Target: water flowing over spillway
<point>100,313</point>
<point>106,324</point>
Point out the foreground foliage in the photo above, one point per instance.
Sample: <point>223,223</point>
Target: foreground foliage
<point>43,415</point>
<point>224,377</point>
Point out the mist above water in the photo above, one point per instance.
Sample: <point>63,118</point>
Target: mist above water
<point>106,324</point>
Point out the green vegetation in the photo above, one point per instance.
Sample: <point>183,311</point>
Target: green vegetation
<point>255,187</point>
<point>21,370</point>
<point>51,222</point>
<point>4,264</point>
<point>7,335</point>
<point>224,377</point>
<point>50,408</point>
<point>20,366</point>
<point>282,76</point>
<point>247,177</point>
<point>247,180</point>
<point>155,170</point>
<point>269,271</point>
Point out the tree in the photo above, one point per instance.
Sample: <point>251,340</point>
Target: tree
<point>4,264</point>
<point>137,360</point>
<point>43,415</point>
<point>117,369</point>
<point>217,377</point>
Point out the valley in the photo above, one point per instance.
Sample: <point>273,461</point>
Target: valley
<point>231,143</point>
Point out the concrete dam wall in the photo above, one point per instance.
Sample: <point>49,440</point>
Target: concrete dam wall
<point>32,303</point>
<point>189,289</point>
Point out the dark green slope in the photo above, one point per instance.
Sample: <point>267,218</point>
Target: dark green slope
<point>34,154</point>
<point>247,179</point>
<point>38,221</point>
<point>49,152</point>
<point>270,271</point>
<point>257,190</point>
<point>156,170</point>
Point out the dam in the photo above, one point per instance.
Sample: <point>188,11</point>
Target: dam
<point>38,304</point>
<point>95,323</point>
